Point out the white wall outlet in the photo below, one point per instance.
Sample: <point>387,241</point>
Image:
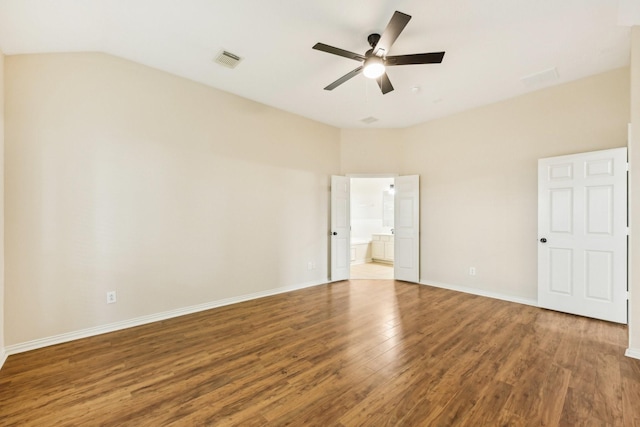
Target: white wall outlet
<point>309,265</point>
<point>472,271</point>
<point>111,297</point>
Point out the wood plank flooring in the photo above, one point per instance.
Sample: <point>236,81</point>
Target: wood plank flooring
<point>359,353</point>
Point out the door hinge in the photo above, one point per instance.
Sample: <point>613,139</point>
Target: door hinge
<point>627,231</point>
<point>626,295</point>
<point>627,166</point>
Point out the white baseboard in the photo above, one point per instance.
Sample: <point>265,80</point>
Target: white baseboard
<point>633,352</point>
<point>480,292</point>
<point>3,357</point>
<point>361,261</point>
<point>138,321</point>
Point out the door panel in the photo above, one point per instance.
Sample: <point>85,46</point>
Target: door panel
<point>582,226</point>
<point>404,249</point>
<point>599,275</point>
<point>599,210</point>
<point>407,228</point>
<point>561,269</point>
<point>562,210</point>
<point>340,228</point>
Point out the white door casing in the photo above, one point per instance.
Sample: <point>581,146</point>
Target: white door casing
<point>582,234</point>
<point>340,228</point>
<point>407,228</point>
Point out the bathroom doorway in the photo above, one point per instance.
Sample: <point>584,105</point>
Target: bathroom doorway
<point>372,228</point>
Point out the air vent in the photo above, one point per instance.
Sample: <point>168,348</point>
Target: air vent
<point>369,120</point>
<point>228,59</point>
<point>541,78</point>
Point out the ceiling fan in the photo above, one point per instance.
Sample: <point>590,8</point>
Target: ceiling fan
<point>375,60</point>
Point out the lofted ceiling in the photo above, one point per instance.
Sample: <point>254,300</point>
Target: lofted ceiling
<point>490,46</point>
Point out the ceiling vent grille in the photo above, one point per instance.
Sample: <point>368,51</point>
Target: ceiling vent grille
<point>369,120</point>
<point>228,59</point>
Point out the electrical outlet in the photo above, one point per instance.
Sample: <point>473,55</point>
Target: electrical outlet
<point>311,265</point>
<point>472,271</point>
<point>111,297</point>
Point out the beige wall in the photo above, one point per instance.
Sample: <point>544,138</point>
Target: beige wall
<point>372,151</point>
<point>1,207</point>
<point>479,177</point>
<point>478,174</point>
<point>121,177</point>
<point>634,186</point>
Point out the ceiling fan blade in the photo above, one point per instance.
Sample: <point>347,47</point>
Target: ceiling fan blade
<point>417,58</point>
<point>384,83</point>
<point>337,51</point>
<point>395,26</point>
<point>344,78</point>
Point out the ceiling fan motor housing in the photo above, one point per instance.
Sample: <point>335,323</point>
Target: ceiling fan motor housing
<point>373,39</point>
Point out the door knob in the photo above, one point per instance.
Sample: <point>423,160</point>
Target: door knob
<point>543,240</point>
<point>335,233</point>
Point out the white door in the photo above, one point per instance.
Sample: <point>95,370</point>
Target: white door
<point>582,234</point>
<point>340,228</point>
<point>407,228</point>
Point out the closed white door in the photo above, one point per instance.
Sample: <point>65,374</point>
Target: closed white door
<point>582,234</point>
<point>340,228</point>
<point>407,228</point>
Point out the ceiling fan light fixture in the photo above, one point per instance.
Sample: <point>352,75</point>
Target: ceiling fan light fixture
<point>375,60</point>
<point>373,67</point>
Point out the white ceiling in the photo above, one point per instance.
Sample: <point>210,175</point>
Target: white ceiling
<point>490,45</point>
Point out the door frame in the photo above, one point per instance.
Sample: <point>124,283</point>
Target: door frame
<point>367,175</point>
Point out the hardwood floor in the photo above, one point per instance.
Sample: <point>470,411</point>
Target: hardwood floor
<point>369,353</point>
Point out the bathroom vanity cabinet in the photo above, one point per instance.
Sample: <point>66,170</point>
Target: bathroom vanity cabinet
<point>382,247</point>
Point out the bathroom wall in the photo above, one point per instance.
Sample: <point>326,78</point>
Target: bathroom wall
<point>366,207</point>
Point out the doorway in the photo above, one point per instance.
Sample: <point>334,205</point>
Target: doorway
<point>372,228</point>
<point>401,245</point>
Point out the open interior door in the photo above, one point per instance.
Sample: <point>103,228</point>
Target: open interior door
<point>582,234</point>
<point>340,228</point>
<point>407,228</point>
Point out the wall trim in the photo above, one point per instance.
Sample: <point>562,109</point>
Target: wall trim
<point>143,320</point>
<point>362,261</point>
<point>3,357</point>
<point>481,292</point>
<point>633,353</point>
